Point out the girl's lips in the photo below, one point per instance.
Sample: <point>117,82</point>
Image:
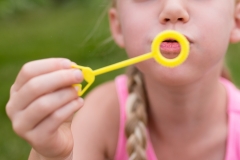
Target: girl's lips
<point>170,49</point>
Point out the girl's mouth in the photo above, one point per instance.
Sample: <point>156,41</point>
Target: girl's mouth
<point>170,48</point>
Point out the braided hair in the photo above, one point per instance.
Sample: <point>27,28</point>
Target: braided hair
<point>135,127</point>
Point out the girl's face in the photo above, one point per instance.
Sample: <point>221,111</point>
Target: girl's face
<point>207,24</point>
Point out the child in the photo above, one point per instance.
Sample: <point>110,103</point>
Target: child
<point>184,113</point>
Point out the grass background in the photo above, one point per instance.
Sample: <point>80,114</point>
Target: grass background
<point>75,30</point>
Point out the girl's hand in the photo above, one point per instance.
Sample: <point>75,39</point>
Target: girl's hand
<point>42,103</point>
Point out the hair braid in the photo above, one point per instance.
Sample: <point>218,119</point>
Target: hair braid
<point>135,128</point>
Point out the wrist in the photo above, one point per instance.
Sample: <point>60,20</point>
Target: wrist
<point>62,158</point>
<point>36,156</point>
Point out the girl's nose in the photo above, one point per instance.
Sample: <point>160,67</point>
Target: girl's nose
<point>173,11</point>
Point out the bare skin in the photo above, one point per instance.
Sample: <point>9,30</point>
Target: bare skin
<point>95,127</point>
<point>187,127</point>
<point>187,104</point>
<point>37,114</point>
<point>190,140</point>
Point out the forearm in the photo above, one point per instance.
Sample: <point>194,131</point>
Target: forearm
<point>36,156</point>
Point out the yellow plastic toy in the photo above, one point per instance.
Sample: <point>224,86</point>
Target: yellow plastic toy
<point>89,74</point>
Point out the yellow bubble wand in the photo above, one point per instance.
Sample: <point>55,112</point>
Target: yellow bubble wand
<point>89,74</point>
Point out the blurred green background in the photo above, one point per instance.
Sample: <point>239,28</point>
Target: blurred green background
<point>36,29</point>
<point>78,30</point>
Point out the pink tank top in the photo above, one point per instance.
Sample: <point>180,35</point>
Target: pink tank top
<point>233,140</point>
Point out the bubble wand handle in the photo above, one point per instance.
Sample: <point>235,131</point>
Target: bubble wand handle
<point>89,74</point>
<point>123,64</point>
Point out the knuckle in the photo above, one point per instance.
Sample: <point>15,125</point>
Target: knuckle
<point>67,94</point>
<point>12,89</point>
<point>33,87</point>
<point>17,128</point>
<point>76,104</point>
<point>57,62</point>
<point>8,109</point>
<point>57,116</point>
<point>26,70</point>
<point>73,93</point>
<point>65,76</point>
<point>43,106</point>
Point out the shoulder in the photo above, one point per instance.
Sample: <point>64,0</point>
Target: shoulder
<point>97,123</point>
<point>103,95</point>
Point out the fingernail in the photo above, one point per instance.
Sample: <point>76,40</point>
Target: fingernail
<point>73,63</point>
<point>80,100</point>
<point>76,88</point>
<point>78,74</point>
<point>66,63</point>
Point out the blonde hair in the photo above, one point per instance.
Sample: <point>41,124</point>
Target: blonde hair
<point>135,127</point>
<point>113,3</point>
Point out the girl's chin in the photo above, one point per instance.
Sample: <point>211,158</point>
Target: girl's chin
<point>174,77</point>
<point>174,80</point>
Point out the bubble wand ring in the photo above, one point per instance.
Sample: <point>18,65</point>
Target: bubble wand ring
<point>165,61</point>
<point>89,74</point>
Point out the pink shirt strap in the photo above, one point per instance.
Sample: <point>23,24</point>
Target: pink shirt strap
<point>121,153</point>
<point>121,85</point>
<point>233,140</point>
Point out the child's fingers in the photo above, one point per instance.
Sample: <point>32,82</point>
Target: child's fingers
<point>39,67</point>
<point>41,108</point>
<point>44,132</point>
<point>52,123</point>
<point>41,85</point>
